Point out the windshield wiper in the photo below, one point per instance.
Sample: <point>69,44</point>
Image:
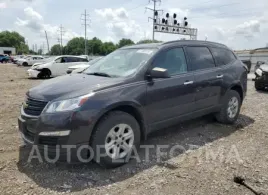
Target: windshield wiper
<point>99,74</point>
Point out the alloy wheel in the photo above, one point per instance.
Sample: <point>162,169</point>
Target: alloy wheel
<point>119,141</point>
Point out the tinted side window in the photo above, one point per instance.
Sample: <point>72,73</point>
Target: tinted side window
<point>173,60</point>
<point>200,58</point>
<point>82,60</point>
<point>222,56</point>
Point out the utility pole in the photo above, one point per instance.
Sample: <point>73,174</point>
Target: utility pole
<point>155,12</point>
<point>86,20</point>
<point>60,45</point>
<point>47,43</point>
<point>61,31</point>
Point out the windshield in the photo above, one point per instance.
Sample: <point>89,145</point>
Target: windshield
<point>121,63</point>
<point>94,60</point>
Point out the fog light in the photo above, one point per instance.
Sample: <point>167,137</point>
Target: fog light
<point>55,133</point>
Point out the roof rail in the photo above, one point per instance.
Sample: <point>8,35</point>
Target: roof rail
<point>194,41</point>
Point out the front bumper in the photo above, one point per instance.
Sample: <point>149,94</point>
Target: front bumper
<point>33,73</point>
<point>77,123</point>
<point>262,80</point>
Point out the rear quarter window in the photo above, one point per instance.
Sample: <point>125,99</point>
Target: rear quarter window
<point>222,56</point>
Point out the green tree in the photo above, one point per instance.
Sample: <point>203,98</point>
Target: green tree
<point>75,46</point>
<point>55,50</point>
<point>22,49</point>
<point>125,42</point>
<point>107,47</point>
<point>148,41</point>
<point>32,52</point>
<point>95,46</point>
<point>40,51</point>
<point>13,39</point>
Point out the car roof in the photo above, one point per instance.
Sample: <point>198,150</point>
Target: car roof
<point>70,56</point>
<point>177,42</point>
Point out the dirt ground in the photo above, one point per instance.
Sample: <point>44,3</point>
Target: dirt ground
<point>240,149</point>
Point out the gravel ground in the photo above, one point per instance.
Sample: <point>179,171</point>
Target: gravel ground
<point>240,149</point>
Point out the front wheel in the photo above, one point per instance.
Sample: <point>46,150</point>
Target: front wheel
<point>230,108</point>
<point>44,74</point>
<point>114,139</point>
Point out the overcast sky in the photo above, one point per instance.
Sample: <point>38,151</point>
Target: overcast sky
<point>240,24</point>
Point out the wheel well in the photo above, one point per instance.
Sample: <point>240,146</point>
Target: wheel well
<point>239,90</point>
<point>133,112</point>
<point>46,69</point>
<point>136,114</point>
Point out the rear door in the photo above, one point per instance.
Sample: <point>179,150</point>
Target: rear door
<point>170,98</point>
<point>63,64</point>
<point>225,60</point>
<point>208,77</point>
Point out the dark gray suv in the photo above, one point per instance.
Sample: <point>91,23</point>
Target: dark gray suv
<point>132,92</point>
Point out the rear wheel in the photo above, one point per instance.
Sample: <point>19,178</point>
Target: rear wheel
<point>24,64</point>
<point>114,138</point>
<point>230,108</point>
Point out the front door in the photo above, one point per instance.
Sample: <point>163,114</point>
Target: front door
<point>170,98</point>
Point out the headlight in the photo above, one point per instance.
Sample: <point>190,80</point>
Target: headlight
<point>67,105</point>
<point>35,67</point>
<point>259,72</point>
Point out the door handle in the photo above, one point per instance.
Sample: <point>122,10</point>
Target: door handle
<point>188,82</point>
<point>219,76</point>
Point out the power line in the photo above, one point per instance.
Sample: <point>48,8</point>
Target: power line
<point>86,20</point>
<point>154,12</point>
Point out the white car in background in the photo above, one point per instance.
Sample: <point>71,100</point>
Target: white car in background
<point>55,66</point>
<point>30,60</point>
<point>81,67</point>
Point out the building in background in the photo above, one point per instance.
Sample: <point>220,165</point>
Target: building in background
<point>255,55</point>
<point>8,50</point>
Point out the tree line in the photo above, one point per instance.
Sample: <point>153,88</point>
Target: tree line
<point>95,46</point>
<point>75,46</point>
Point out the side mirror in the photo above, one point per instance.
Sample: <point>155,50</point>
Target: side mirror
<point>159,73</point>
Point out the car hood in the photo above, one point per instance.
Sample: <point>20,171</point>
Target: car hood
<point>70,86</point>
<point>79,66</point>
<point>264,67</point>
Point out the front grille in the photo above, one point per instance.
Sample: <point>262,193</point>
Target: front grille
<point>34,107</point>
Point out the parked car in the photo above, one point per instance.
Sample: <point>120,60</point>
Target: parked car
<point>55,66</point>
<point>4,58</point>
<point>130,93</point>
<point>258,64</point>
<point>261,80</point>
<point>29,60</point>
<point>81,67</point>
<point>248,64</point>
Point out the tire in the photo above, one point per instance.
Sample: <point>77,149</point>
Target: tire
<point>258,87</point>
<point>24,64</point>
<point>101,138</point>
<point>224,115</point>
<point>44,74</point>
